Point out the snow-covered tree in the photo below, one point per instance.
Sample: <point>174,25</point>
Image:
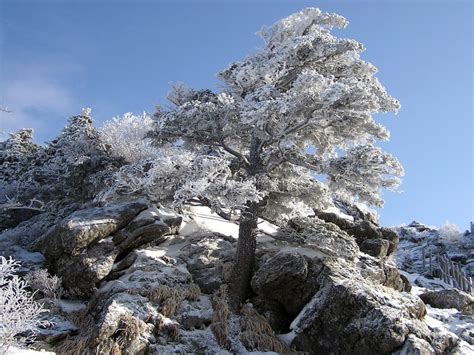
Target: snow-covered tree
<point>70,167</point>
<point>295,121</point>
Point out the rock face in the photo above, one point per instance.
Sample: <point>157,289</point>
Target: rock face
<point>287,271</point>
<point>375,247</point>
<point>450,298</point>
<point>348,316</point>
<point>152,290</point>
<point>83,247</point>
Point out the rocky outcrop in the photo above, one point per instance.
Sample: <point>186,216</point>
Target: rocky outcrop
<point>83,247</point>
<point>345,302</point>
<point>450,298</point>
<point>364,231</point>
<point>155,291</point>
<point>86,227</point>
<point>375,247</point>
<point>287,271</point>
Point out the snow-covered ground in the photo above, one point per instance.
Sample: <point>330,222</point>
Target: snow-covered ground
<point>417,240</point>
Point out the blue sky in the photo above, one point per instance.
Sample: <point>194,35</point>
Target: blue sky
<point>117,56</point>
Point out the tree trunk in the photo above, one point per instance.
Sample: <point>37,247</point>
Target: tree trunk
<point>246,245</point>
<point>244,258</point>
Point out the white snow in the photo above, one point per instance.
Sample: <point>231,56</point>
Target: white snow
<point>69,306</point>
<point>203,220</point>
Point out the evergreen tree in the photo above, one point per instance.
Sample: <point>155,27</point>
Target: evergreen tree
<point>295,126</point>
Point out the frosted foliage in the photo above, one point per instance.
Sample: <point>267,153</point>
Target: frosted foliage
<point>300,23</point>
<point>126,137</point>
<point>157,178</point>
<point>362,172</point>
<point>179,174</point>
<point>78,142</point>
<point>19,313</point>
<point>211,177</point>
<point>295,118</point>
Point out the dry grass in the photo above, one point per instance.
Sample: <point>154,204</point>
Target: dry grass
<point>257,334</point>
<point>130,328</point>
<point>262,342</point>
<point>109,348</point>
<point>166,326</point>
<point>76,345</point>
<point>169,306</point>
<point>220,317</point>
<point>170,298</point>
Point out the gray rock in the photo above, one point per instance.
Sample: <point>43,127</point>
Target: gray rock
<point>205,257</point>
<point>415,346</point>
<point>380,272</point>
<point>347,316</point>
<point>82,251</point>
<point>375,247</point>
<point>85,227</point>
<point>326,238</point>
<point>56,328</point>
<point>406,283</point>
<point>392,237</point>
<point>451,298</point>
<point>132,238</point>
<point>81,273</point>
<point>284,272</point>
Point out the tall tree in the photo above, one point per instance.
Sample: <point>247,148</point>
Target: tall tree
<point>294,125</point>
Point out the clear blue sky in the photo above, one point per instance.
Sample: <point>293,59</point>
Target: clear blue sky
<point>118,56</point>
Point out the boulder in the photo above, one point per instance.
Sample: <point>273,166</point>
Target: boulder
<point>81,273</point>
<point>406,283</point>
<point>349,315</point>
<point>327,239</point>
<point>85,227</point>
<point>450,298</point>
<point>287,271</point>
<point>379,272</point>
<point>375,247</point>
<point>83,248</point>
<point>415,346</point>
<point>362,230</point>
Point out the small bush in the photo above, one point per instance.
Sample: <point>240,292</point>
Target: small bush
<point>126,137</point>
<point>19,313</point>
<point>45,285</point>
<point>449,233</point>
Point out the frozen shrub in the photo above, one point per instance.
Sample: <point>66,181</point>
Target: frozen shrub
<point>19,313</point>
<point>449,233</point>
<point>126,137</point>
<point>46,285</point>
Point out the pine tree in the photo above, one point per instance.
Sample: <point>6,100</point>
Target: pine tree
<point>295,125</point>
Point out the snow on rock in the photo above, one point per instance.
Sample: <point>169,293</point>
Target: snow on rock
<point>447,323</point>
